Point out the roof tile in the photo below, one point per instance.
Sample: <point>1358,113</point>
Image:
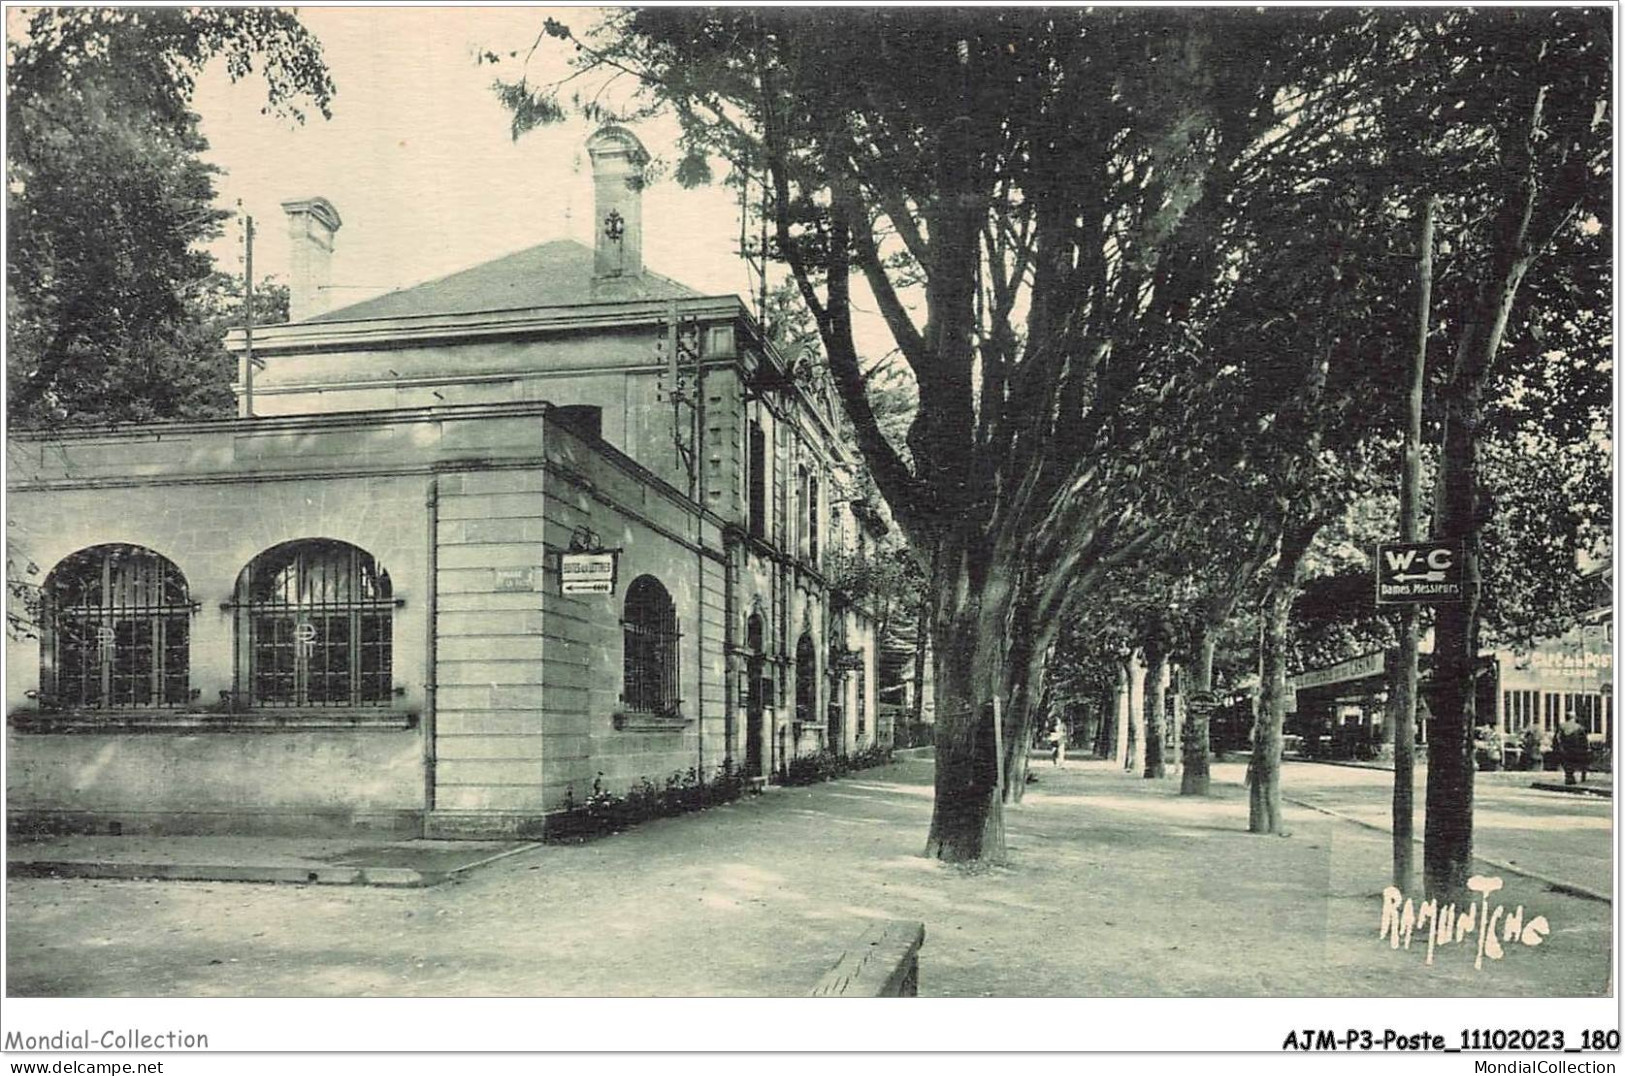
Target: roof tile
<point>559,273</point>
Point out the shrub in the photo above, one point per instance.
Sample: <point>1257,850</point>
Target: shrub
<point>825,765</point>
<point>810,769</point>
<point>870,757</point>
<point>604,812</point>
<point>1602,758</point>
<point>1487,748</point>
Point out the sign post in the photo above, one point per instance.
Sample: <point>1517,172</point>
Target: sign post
<point>1420,573</point>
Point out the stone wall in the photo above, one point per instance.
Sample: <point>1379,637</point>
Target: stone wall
<point>530,678</point>
<point>616,370</point>
<point>526,680</point>
<point>210,500</point>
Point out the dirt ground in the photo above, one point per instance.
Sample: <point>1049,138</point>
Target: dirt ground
<point>1115,887</point>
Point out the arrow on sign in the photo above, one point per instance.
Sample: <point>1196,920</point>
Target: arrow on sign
<point>1420,577</point>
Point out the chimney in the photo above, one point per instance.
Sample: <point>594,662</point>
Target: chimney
<point>311,225</point>
<point>617,175</point>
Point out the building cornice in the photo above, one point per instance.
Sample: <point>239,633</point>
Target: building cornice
<point>374,334</point>
<point>442,380</point>
<point>154,431</point>
<point>773,357</point>
<point>327,422</point>
<point>386,333</point>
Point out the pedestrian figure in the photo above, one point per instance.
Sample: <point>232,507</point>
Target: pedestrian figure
<point>1573,749</point>
<point>1057,737</point>
<point>1531,749</point>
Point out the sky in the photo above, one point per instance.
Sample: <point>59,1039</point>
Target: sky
<point>419,161</point>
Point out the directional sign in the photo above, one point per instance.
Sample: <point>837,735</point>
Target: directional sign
<point>1419,573</point>
<point>1201,703</point>
<point>587,573</point>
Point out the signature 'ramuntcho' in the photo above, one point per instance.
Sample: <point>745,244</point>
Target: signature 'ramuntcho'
<point>1402,916</point>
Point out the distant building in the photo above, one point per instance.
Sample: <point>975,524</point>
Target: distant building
<point>1518,689</point>
<point>897,668</point>
<point>1563,676</point>
<point>469,548</point>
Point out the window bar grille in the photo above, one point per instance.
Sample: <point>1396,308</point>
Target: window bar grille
<point>320,625</point>
<point>806,681</point>
<point>650,648</point>
<point>119,619</point>
<point>651,667</point>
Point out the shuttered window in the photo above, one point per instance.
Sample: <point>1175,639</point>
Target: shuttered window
<point>758,481</point>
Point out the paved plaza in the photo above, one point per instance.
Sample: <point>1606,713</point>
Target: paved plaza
<point>1116,886</point>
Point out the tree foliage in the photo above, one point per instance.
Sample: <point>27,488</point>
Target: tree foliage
<point>1038,202</point>
<point>1510,109</point>
<point>1145,269</point>
<point>109,200</point>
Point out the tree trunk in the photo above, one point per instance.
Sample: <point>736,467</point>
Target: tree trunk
<point>967,820</point>
<point>1122,720</point>
<point>1015,788</point>
<point>971,632</point>
<point>1447,850</point>
<point>1264,771</point>
<point>1026,665</point>
<point>1155,669</point>
<point>1194,778</point>
<point>1176,708</point>
<point>1018,734</point>
<point>1136,715</point>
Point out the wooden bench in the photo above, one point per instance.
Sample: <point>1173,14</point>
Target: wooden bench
<point>883,963</point>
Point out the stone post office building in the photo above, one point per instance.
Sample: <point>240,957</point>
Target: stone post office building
<point>344,608</point>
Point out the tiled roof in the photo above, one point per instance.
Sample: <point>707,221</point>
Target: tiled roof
<point>559,273</point>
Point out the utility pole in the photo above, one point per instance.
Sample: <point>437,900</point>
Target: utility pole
<point>248,319</point>
<point>1405,679</point>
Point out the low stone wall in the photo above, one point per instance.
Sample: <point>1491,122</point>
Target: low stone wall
<point>216,781</point>
<point>883,963</point>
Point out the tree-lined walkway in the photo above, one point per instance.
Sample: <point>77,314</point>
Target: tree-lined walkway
<point>1117,886</point>
<point>1556,835</point>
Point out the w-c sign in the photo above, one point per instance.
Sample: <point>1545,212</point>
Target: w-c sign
<point>1419,573</point>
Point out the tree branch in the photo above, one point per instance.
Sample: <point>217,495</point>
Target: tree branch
<point>909,340</point>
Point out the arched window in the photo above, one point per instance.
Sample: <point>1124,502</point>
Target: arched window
<point>116,631</point>
<point>806,679</point>
<point>649,628</point>
<point>315,621</point>
<point>759,685</point>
